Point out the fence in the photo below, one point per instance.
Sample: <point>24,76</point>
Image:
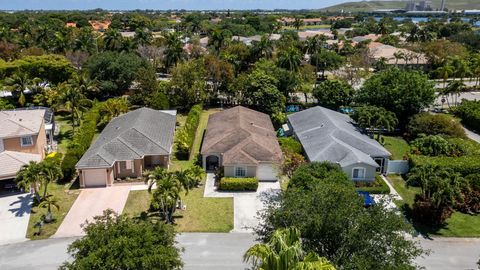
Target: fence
<point>398,167</point>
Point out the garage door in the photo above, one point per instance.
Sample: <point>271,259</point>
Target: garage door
<point>266,172</point>
<point>95,177</point>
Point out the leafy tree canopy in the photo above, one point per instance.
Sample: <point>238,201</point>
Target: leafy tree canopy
<point>333,94</point>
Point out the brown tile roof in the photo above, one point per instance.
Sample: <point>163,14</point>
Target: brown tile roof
<point>242,136</point>
<point>100,25</point>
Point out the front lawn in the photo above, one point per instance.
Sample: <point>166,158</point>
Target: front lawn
<point>397,146</point>
<point>458,225</point>
<point>64,136</point>
<point>65,197</point>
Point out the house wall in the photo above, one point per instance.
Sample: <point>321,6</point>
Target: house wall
<point>38,147</point>
<point>204,159</point>
<point>229,171</point>
<point>123,172</point>
<point>150,161</point>
<point>370,171</point>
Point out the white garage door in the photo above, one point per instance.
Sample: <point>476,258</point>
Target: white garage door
<point>266,172</point>
<point>95,177</point>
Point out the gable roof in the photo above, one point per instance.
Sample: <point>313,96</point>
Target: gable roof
<point>131,136</point>
<point>243,136</point>
<point>327,135</point>
<point>16,123</point>
<point>11,162</point>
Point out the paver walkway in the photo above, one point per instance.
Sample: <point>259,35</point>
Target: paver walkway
<point>92,202</point>
<point>14,216</point>
<point>245,204</point>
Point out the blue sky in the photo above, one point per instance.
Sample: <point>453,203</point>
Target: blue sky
<point>166,4</point>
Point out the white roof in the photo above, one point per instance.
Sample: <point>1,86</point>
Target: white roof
<point>17,123</point>
<point>11,162</point>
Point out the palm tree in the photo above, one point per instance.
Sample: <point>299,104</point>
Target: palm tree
<point>217,39</point>
<point>262,48</point>
<point>197,174</point>
<point>113,107</point>
<point>398,55</point>
<point>454,89</point>
<point>73,100</point>
<point>142,37</point>
<point>18,83</point>
<point>49,201</point>
<point>113,40</point>
<point>29,177</point>
<point>51,172</point>
<point>174,49</point>
<point>284,252</point>
<point>297,23</point>
<point>290,59</point>
<point>166,194</point>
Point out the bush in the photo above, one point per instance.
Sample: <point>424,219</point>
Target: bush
<point>311,174</point>
<point>80,142</point>
<point>376,187</point>
<point>238,184</point>
<point>425,212</point>
<point>464,165</point>
<point>469,112</point>
<point>434,145</point>
<point>290,145</point>
<point>186,135</point>
<point>434,124</point>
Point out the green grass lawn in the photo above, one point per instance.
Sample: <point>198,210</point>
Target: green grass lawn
<point>306,27</point>
<point>65,197</point>
<point>202,214</point>
<point>65,135</point>
<point>458,225</point>
<point>397,146</point>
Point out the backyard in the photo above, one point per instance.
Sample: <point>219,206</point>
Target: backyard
<point>201,214</point>
<point>397,146</point>
<point>458,225</point>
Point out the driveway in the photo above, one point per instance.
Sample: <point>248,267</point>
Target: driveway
<point>92,202</point>
<point>14,216</point>
<point>245,204</point>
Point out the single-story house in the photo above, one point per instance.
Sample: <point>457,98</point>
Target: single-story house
<point>129,144</point>
<point>243,142</point>
<point>327,135</point>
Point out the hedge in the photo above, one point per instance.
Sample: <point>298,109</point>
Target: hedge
<point>469,112</point>
<point>376,187</point>
<point>238,184</point>
<point>464,165</point>
<point>186,135</point>
<point>80,142</point>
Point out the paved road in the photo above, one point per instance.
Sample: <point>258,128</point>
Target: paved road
<point>472,135</point>
<point>451,253</point>
<point>14,217</point>
<point>203,251</point>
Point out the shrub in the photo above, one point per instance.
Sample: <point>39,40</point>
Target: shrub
<point>464,165</point>
<point>376,187</point>
<point>425,212</point>
<point>434,145</point>
<point>238,184</point>
<point>311,174</point>
<point>80,142</point>
<point>186,135</point>
<point>290,145</point>
<point>469,112</point>
<point>434,124</point>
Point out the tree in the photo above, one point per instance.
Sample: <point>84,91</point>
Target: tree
<point>73,100</point>
<point>29,177</point>
<point>263,48</point>
<point>173,51</point>
<point>50,171</point>
<point>297,23</point>
<point>260,90</point>
<point>402,92</point>
<point>188,83</point>
<point>18,83</point>
<point>326,60</point>
<point>142,37</point>
<point>284,252</point>
<point>333,94</point>
<point>49,201</point>
<point>290,59</point>
<point>334,224</point>
<point>112,40</point>
<point>444,72</point>
<point>374,118</point>
<point>112,108</point>
<point>118,242</point>
<point>454,89</point>
<point>434,124</point>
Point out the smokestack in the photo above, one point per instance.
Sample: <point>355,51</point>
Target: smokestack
<point>442,7</point>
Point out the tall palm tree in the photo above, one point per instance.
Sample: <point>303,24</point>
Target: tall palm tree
<point>143,36</point>
<point>30,178</point>
<point>167,192</point>
<point>284,252</point>
<point>262,48</point>
<point>113,40</point>
<point>18,83</point>
<point>51,172</point>
<point>290,59</point>
<point>73,100</point>
<point>174,49</point>
<point>49,201</point>
<point>297,23</point>
<point>454,89</point>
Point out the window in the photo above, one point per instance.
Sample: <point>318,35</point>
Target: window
<point>26,141</point>
<point>240,171</point>
<point>358,173</point>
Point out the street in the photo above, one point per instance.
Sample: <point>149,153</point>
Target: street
<point>225,251</point>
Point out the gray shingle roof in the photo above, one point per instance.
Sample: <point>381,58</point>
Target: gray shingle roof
<point>328,135</point>
<point>131,136</point>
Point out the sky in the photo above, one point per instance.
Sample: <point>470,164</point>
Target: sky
<point>166,4</point>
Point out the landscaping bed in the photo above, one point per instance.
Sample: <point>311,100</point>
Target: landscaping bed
<point>376,187</point>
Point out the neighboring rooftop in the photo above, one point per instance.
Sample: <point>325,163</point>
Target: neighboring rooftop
<point>132,136</point>
<point>17,123</point>
<point>243,136</point>
<point>327,135</point>
<point>11,162</point>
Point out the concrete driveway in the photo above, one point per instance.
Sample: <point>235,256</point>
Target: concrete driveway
<point>14,216</point>
<point>92,202</point>
<point>245,204</point>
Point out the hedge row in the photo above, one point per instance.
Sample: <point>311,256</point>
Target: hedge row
<point>238,184</point>
<point>186,135</point>
<point>80,142</point>
<point>465,165</point>
<point>469,112</point>
<point>376,187</point>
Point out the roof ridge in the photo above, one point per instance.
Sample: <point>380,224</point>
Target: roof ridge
<point>9,153</point>
<point>18,124</point>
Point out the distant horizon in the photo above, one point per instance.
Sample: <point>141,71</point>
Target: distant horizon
<point>165,5</point>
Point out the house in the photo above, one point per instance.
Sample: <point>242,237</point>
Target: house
<point>243,142</point>
<point>327,135</point>
<point>131,143</point>
<point>391,55</point>
<point>100,26</point>
<point>22,139</point>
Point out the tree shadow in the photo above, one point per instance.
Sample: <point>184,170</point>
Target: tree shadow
<point>24,203</point>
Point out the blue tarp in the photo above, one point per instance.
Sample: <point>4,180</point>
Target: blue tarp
<point>367,198</point>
